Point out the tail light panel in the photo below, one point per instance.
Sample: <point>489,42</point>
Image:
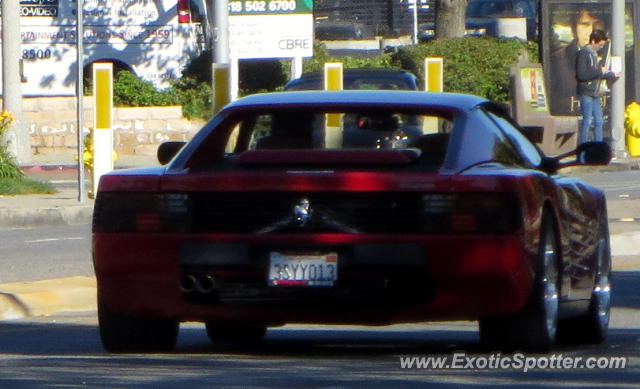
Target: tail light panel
<point>141,212</point>
<point>471,213</point>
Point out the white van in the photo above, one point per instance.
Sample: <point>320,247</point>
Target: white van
<point>155,39</point>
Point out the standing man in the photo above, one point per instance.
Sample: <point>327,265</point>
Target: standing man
<point>589,75</point>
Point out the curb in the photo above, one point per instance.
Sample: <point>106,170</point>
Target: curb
<point>29,217</point>
<point>46,297</point>
<point>625,244</point>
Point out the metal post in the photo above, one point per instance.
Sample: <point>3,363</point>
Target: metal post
<point>221,31</point>
<point>296,67</point>
<point>618,88</point>
<point>415,21</point>
<point>17,137</point>
<point>219,19</point>
<point>82,191</point>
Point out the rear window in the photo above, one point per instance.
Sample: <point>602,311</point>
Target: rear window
<point>343,130</point>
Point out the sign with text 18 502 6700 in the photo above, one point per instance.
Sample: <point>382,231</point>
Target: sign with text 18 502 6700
<point>270,28</point>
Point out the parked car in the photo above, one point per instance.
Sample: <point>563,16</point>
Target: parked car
<point>481,18</point>
<point>333,31</point>
<point>268,216</point>
<point>359,78</point>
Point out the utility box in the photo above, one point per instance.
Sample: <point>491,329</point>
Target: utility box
<point>530,107</point>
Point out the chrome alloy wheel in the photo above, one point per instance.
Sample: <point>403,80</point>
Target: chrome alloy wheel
<point>549,284</point>
<point>602,288</point>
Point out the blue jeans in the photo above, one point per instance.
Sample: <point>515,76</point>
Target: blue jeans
<point>591,109</point>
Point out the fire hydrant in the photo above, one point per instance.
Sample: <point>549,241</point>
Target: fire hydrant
<point>632,128</point>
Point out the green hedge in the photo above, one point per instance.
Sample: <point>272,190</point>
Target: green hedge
<point>194,96</point>
<point>473,65</point>
<point>321,56</point>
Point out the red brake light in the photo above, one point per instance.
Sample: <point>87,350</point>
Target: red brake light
<point>141,212</point>
<point>184,12</point>
<point>148,222</point>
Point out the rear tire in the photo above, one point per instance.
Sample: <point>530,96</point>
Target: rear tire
<point>125,333</point>
<point>594,325</point>
<point>534,327</point>
<point>235,333</point>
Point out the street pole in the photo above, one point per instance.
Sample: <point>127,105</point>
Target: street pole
<point>221,31</point>
<point>415,21</point>
<point>17,137</point>
<point>82,192</point>
<point>616,116</point>
<point>221,72</point>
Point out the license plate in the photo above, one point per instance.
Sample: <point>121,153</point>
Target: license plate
<point>303,269</point>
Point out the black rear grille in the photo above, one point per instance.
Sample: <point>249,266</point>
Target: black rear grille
<point>356,212</point>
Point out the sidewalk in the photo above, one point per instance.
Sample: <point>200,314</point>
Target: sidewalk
<point>63,207</point>
<point>20,299</point>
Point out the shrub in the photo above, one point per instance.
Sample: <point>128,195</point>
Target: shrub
<point>261,75</point>
<point>321,56</point>
<point>131,91</point>
<point>8,166</point>
<point>473,65</point>
<point>195,98</point>
<point>256,75</point>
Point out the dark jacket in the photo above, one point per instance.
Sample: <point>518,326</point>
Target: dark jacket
<point>588,72</point>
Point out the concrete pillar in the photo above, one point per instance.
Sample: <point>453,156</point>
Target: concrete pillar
<point>17,137</point>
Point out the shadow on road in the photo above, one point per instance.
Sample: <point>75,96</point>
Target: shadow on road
<point>68,354</point>
<point>51,338</point>
<point>626,291</point>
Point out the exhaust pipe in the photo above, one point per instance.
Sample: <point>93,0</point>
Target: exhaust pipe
<point>187,283</point>
<point>205,284</point>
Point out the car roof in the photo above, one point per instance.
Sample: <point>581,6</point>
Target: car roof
<point>391,98</point>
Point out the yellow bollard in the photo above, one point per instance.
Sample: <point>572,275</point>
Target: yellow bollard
<point>632,128</point>
<point>333,80</point>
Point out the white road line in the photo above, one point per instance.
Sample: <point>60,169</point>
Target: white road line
<point>53,239</point>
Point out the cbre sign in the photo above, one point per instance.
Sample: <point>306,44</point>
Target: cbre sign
<point>270,28</point>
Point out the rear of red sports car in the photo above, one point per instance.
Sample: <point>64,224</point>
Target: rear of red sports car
<point>364,223</point>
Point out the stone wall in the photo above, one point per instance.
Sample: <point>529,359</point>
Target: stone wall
<point>52,125</point>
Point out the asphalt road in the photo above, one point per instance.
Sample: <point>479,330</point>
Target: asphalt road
<point>44,253</point>
<point>64,351</point>
<point>614,183</point>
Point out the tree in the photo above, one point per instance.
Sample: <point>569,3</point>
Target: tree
<point>450,18</point>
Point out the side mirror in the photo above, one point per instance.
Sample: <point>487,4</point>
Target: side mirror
<point>533,133</point>
<point>593,153</point>
<point>168,150</point>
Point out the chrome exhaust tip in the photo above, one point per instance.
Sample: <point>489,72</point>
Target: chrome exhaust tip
<point>188,283</point>
<point>205,284</point>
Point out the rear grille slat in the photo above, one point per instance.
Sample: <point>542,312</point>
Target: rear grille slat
<point>331,212</point>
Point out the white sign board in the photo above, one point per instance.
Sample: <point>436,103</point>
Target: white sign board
<point>270,29</point>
